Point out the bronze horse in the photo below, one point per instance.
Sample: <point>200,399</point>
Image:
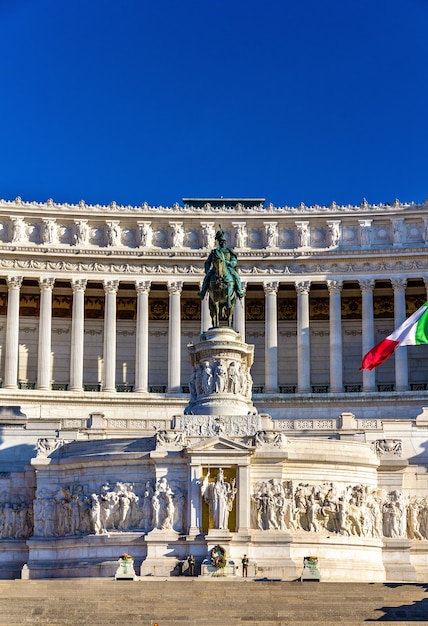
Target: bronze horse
<point>221,290</point>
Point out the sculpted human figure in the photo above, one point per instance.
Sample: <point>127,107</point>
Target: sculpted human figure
<point>49,231</point>
<point>241,236</point>
<point>18,230</point>
<point>155,509</point>
<point>270,236</point>
<point>48,509</point>
<point>207,378</point>
<point>145,235</point>
<point>219,496</point>
<point>146,510</point>
<point>221,280</point>
<point>365,234</point>
<point>163,505</point>
<point>113,234</point>
<point>168,510</point>
<point>397,232</point>
<point>208,235</point>
<point>220,378</point>
<point>81,233</point>
<point>85,517</point>
<point>177,235</point>
<point>413,523</point>
<point>303,235</point>
<point>234,377</point>
<point>334,234</point>
<point>249,385</point>
<point>312,513</point>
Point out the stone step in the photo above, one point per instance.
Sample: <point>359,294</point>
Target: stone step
<point>96,602</point>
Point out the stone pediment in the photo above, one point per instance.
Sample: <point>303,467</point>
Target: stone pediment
<point>222,444</point>
<point>219,450</point>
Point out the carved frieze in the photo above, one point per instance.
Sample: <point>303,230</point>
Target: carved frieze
<point>204,426</point>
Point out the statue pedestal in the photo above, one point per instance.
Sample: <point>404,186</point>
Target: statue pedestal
<point>215,548</point>
<point>221,382</point>
<point>125,571</point>
<point>310,569</point>
<point>158,544</point>
<point>216,536</point>
<point>210,570</point>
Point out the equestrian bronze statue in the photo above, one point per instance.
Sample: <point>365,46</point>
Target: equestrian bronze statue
<point>222,281</point>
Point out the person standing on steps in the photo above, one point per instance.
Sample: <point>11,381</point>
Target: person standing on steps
<point>191,563</point>
<point>245,562</point>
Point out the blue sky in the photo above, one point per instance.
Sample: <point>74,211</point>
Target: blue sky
<point>158,100</point>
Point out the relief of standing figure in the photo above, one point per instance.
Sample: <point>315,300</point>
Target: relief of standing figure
<point>219,496</point>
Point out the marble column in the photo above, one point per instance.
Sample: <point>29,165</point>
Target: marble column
<point>336,365</point>
<point>244,499</point>
<point>142,337</point>
<point>110,290</point>
<point>174,337</point>
<point>401,355</point>
<point>368,339</point>
<point>205,312</point>
<point>303,338</point>
<point>12,332</point>
<point>239,313</point>
<point>45,334</point>
<point>77,334</point>
<point>194,499</point>
<point>271,337</point>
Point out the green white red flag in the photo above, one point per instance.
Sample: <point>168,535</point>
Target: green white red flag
<point>413,332</point>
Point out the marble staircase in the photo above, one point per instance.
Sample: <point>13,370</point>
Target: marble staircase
<point>213,602</point>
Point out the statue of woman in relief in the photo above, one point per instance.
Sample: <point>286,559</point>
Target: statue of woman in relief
<point>219,496</point>
<point>207,378</point>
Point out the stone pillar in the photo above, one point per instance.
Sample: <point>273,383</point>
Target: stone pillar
<point>110,290</point>
<point>401,368</point>
<point>45,334</point>
<point>194,499</point>
<point>12,333</point>
<point>142,337</point>
<point>77,334</point>
<point>244,499</point>
<point>239,313</point>
<point>271,337</point>
<point>205,312</point>
<point>303,338</point>
<point>336,369</point>
<point>174,337</point>
<point>368,339</point>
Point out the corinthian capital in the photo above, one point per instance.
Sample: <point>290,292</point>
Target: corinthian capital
<point>111,286</point>
<point>334,285</point>
<point>303,286</point>
<point>367,285</point>
<point>271,287</point>
<point>399,284</point>
<point>175,287</point>
<point>46,284</point>
<point>143,286</point>
<point>14,282</point>
<point>78,285</point>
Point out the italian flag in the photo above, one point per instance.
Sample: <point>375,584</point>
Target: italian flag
<point>413,332</point>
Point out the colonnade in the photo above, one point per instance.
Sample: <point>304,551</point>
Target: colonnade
<point>174,356</point>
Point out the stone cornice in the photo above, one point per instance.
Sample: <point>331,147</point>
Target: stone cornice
<point>92,211</point>
<point>347,268</point>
